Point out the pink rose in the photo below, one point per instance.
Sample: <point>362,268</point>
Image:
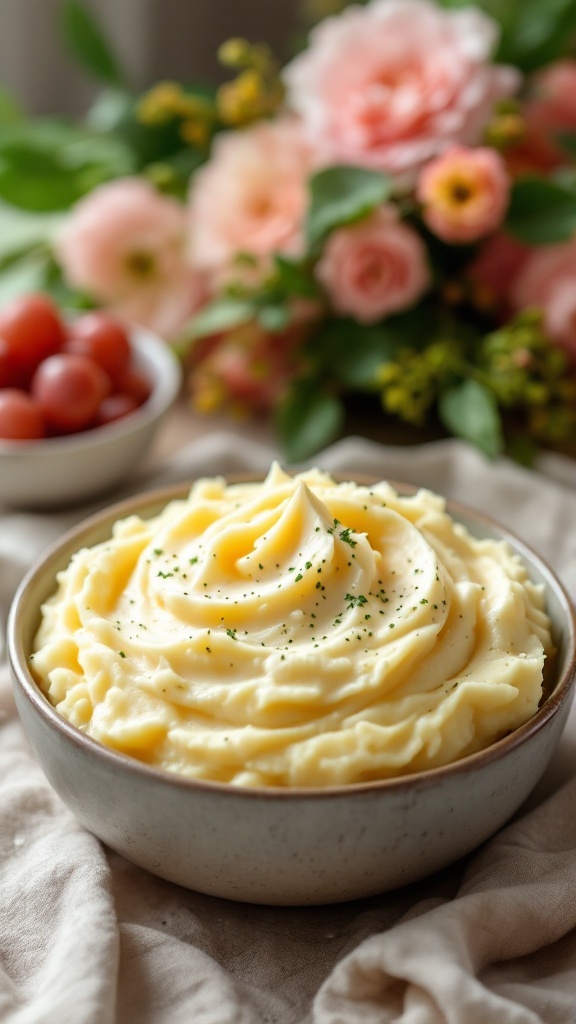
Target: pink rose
<point>548,282</point>
<point>250,197</point>
<point>541,273</point>
<point>464,193</point>
<point>375,267</point>
<point>560,316</point>
<point>548,112</point>
<point>393,84</point>
<point>124,244</point>
<point>495,270</point>
<point>556,86</point>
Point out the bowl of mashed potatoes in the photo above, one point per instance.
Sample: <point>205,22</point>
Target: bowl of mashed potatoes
<point>292,690</point>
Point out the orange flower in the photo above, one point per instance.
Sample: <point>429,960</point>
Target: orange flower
<point>464,193</point>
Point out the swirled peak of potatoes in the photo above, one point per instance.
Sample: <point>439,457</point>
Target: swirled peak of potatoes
<point>294,632</point>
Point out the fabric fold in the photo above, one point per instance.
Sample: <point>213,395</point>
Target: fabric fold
<point>517,896</point>
<point>58,927</point>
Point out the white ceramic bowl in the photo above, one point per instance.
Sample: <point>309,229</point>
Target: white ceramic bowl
<point>60,471</point>
<point>285,846</point>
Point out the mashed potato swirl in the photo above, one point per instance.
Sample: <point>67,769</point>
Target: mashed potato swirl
<point>294,632</point>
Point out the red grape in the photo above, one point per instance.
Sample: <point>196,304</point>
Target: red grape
<point>8,372</point>
<point>103,339</point>
<point>115,407</point>
<point>57,379</point>
<point>136,384</point>
<point>20,416</point>
<point>32,329</point>
<point>69,389</point>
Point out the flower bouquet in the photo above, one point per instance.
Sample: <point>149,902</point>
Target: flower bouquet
<point>387,224</point>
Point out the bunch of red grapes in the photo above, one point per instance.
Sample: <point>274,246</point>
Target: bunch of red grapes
<point>60,378</point>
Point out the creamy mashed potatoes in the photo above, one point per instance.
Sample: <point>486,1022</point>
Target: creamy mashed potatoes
<point>295,632</point>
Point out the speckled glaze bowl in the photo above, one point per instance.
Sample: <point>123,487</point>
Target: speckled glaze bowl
<point>291,847</point>
<point>59,471</point>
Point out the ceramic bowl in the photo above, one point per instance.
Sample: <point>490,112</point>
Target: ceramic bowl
<point>277,846</point>
<point>60,471</point>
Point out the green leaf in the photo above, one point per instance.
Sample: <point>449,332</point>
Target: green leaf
<point>541,212</point>
<point>22,231</point>
<point>307,420</point>
<point>567,140</point>
<point>37,181</point>
<point>353,353</point>
<point>105,156</point>
<point>109,109</point>
<point>221,315</point>
<point>172,174</point>
<point>295,278</point>
<point>539,34</point>
<point>342,195</point>
<point>522,449</point>
<point>87,43</point>
<point>274,318</point>
<point>469,410</point>
<point>533,32</point>
<point>148,143</point>
<point>46,133</point>
<point>47,164</point>
<point>566,177</point>
<point>10,110</point>
<point>24,275</point>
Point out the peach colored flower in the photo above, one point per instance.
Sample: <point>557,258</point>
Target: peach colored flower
<point>464,193</point>
<point>393,84</point>
<point>548,282</point>
<point>549,111</point>
<point>250,197</point>
<point>375,267</point>
<point>124,244</point>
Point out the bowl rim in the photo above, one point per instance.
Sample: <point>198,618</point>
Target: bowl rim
<point>149,503</point>
<point>166,380</point>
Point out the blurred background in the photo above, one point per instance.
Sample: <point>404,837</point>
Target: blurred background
<point>154,39</point>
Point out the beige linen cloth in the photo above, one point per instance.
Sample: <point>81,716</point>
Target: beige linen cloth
<point>86,938</point>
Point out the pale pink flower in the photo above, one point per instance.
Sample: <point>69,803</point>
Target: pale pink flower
<point>247,368</point>
<point>374,267</point>
<point>393,84</point>
<point>250,198</point>
<point>548,282</point>
<point>124,244</point>
<point>464,193</point>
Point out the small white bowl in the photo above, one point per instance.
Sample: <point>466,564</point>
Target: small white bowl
<point>278,846</point>
<point>60,471</point>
